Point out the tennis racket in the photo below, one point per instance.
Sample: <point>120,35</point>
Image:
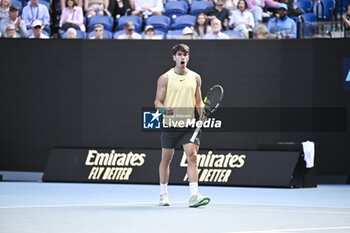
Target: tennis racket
<point>212,102</point>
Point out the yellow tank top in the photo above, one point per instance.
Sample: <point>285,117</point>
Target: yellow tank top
<point>180,95</point>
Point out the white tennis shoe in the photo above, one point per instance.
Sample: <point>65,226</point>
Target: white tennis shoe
<point>164,200</point>
<point>198,200</point>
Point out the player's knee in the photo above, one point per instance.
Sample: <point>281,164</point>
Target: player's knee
<point>192,159</point>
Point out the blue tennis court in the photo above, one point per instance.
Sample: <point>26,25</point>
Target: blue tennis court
<point>76,207</point>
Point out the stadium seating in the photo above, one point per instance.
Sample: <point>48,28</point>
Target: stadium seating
<point>156,33</point>
<point>106,21</point>
<point>200,6</point>
<point>345,3</point>
<point>175,9</point>
<point>137,21</point>
<point>233,34</point>
<point>159,22</point>
<point>45,3</point>
<point>307,28</point>
<point>328,8</point>
<point>184,21</point>
<point>174,34</point>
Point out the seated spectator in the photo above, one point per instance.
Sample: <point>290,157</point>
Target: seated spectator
<point>37,28</point>
<point>281,25</point>
<point>201,27</point>
<point>36,11</point>
<point>256,8</point>
<point>71,33</point>
<point>119,8</point>
<point>149,34</point>
<point>21,30</point>
<point>96,7</point>
<point>98,32</point>
<point>129,32</point>
<point>293,11</point>
<point>4,9</point>
<point>218,11</point>
<point>10,31</point>
<point>346,19</point>
<point>146,8</point>
<point>187,34</point>
<point>72,16</point>
<point>63,3</point>
<point>262,32</point>
<point>242,20</point>
<point>216,33</point>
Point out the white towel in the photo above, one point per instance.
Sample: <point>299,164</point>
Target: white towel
<point>309,153</point>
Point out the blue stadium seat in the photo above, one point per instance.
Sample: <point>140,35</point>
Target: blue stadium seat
<point>159,22</point>
<point>328,8</point>
<point>233,34</point>
<point>18,4</point>
<point>137,21</point>
<point>345,3</point>
<point>106,34</point>
<point>118,33</point>
<point>184,21</point>
<point>174,34</point>
<point>80,35</point>
<point>175,9</point>
<point>307,29</point>
<point>200,6</point>
<point>305,5</point>
<point>106,21</point>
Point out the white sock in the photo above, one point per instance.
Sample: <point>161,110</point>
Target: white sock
<point>193,188</point>
<point>163,188</point>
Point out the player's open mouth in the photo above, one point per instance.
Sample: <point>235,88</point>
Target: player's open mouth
<point>183,63</point>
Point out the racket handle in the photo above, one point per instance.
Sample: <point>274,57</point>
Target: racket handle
<point>195,134</point>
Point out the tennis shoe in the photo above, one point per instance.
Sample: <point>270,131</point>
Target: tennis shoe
<point>198,200</point>
<point>164,200</point>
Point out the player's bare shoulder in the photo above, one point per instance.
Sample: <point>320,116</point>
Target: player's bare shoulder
<point>198,78</point>
<point>163,80</point>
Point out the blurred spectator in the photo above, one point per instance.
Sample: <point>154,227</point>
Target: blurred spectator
<point>96,7</point>
<point>187,34</point>
<point>149,34</point>
<point>21,30</point>
<point>72,16</point>
<point>293,11</point>
<point>216,33</point>
<point>231,5</point>
<point>218,11</point>
<point>346,19</point>
<point>63,3</point>
<point>10,31</point>
<point>262,32</point>
<point>256,8</point>
<point>281,25</point>
<point>71,33</point>
<point>129,32</point>
<point>119,7</point>
<point>98,32</point>
<point>242,20</point>
<point>37,28</point>
<point>4,9</point>
<point>36,11</point>
<point>201,27</point>
<point>146,8</point>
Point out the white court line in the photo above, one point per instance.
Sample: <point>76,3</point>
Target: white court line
<point>292,230</point>
<point>86,205</point>
<point>280,205</point>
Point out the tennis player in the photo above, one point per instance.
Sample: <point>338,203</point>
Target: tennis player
<point>178,95</point>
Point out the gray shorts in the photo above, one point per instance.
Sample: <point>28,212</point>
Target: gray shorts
<point>172,137</point>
